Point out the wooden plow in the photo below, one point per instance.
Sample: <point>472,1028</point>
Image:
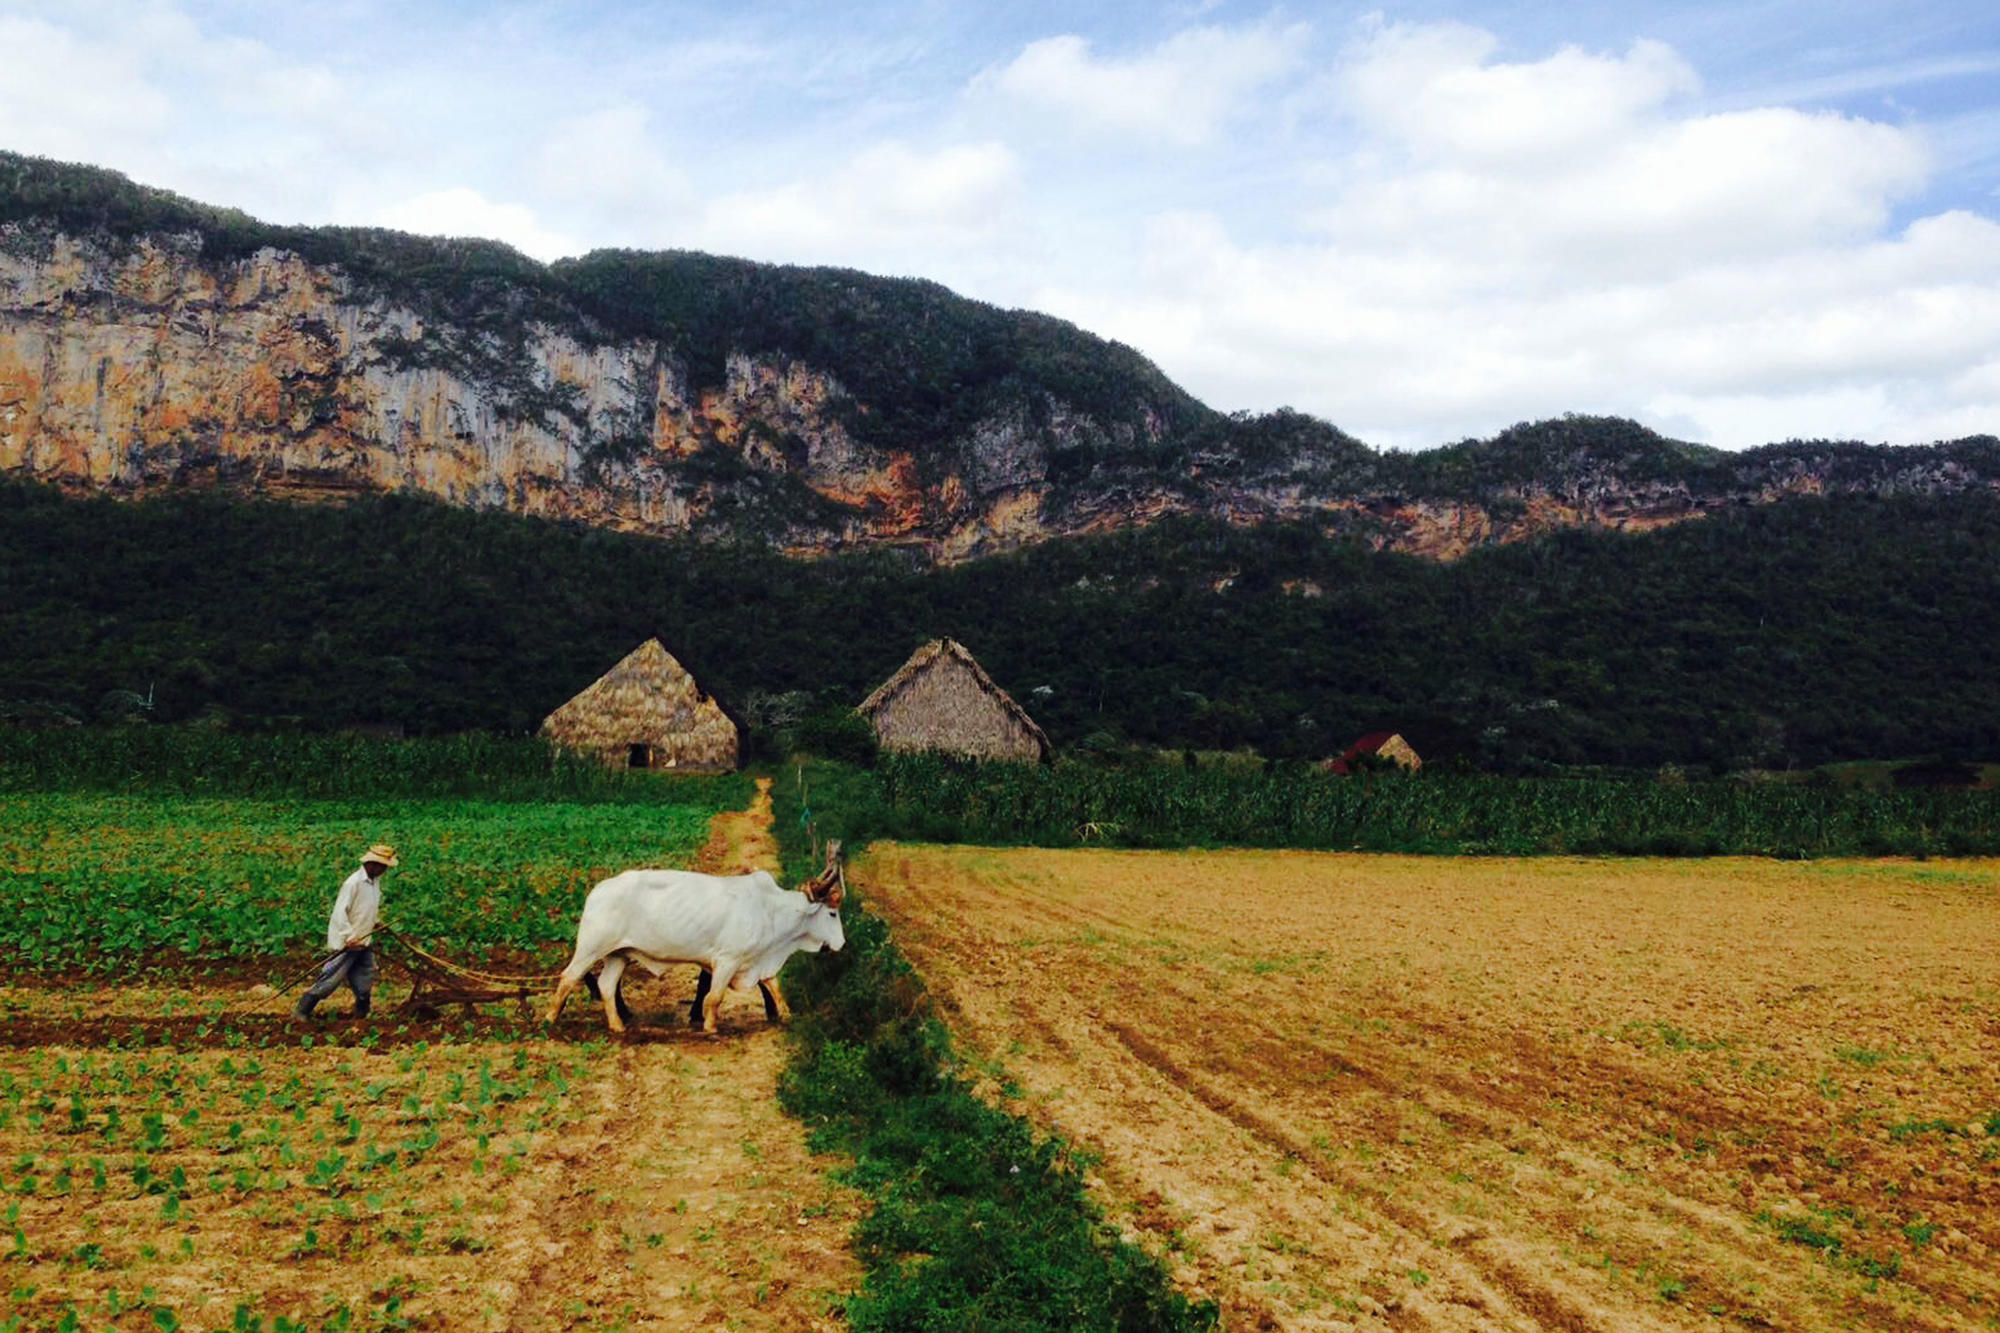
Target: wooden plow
<point>436,982</point>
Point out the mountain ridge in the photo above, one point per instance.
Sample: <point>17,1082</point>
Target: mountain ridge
<point>149,342</point>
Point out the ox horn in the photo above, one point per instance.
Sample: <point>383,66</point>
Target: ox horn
<point>829,886</point>
<point>829,883</point>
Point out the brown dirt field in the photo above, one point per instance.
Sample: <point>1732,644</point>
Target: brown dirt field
<point>641,1183</point>
<point>1363,1092</point>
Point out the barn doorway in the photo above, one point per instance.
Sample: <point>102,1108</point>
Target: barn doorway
<point>639,756</point>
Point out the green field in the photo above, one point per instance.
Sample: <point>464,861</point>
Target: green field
<point>99,881</point>
<point>1070,803</point>
<point>198,1164</point>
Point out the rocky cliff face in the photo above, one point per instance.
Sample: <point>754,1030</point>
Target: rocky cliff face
<point>149,368</point>
<point>132,364</point>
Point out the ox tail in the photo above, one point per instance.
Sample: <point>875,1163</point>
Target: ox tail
<point>568,980</point>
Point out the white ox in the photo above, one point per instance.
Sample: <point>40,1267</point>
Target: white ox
<point>742,928</point>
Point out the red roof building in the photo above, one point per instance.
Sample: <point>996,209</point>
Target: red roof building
<point>1382,744</point>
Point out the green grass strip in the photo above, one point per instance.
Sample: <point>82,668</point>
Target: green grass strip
<point>979,1222</point>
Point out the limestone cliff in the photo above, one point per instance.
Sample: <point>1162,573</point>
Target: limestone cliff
<point>153,367</point>
<point>128,368</point>
<point>147,342</point>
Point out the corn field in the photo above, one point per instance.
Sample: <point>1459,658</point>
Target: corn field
<point>931,798</point>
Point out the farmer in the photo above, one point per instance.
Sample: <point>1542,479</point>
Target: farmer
<point>348,931</point>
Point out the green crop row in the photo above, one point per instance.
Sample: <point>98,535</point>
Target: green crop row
<point>930,798</point>
<point>203,761</point>
<point>94,881</point>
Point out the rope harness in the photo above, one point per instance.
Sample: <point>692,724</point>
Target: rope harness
<point>409,945</point>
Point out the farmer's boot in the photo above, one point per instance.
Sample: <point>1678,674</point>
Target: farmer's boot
<point>361,1006</point>
<point>302,1012</point>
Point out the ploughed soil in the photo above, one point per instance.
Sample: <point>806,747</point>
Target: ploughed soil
<point>1366,1092</point>
<point>479,1170</point>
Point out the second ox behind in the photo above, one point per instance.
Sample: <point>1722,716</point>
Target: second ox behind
<point>741,928</point>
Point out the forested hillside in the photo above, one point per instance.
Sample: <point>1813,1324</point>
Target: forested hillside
<point>1811,630</point>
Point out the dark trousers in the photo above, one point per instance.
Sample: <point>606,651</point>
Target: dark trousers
<point>356,967</point>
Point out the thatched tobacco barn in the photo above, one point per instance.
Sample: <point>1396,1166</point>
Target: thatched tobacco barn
<point>941,700</point>
<point>647,712</point>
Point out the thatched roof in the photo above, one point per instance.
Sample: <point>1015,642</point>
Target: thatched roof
<point>941,699</point>
<point>647,712</point>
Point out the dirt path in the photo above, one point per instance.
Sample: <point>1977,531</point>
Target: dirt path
<point>1374,1093</point>
<point>696,1204</point>
<point>740,841</point>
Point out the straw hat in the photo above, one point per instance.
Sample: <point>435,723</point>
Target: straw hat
<point>381,853</point>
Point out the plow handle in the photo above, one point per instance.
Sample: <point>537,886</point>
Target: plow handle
<point>316,967</point>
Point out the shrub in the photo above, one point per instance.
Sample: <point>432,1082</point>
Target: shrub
<point>840,734</point>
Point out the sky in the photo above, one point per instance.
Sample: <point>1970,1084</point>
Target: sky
<point>1737,223</point>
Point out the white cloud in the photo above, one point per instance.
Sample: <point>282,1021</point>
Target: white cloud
<point>875,209</point>
<point>1980,384</point>
<point>1577,160</point>
<point>140,87</point>
<point>1900,412</point>
<point>1182,92</point>
<point>1433,89</point>
<point>607,169</point>
<point>465,212</point>
<point>1501,242</point>
<point>71,97</point>
<point>1891,340</point>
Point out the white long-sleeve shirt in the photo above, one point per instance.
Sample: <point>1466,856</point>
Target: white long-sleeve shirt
<point>354,910</point>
